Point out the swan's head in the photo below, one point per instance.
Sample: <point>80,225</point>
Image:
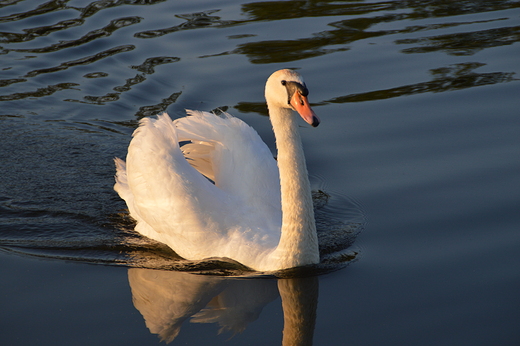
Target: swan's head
<point>286,89</point>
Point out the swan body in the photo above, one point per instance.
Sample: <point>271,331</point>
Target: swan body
<point>208,186</point>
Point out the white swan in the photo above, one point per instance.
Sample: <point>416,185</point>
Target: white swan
<point>258,211</point>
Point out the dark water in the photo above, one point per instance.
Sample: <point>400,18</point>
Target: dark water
<point>418,149</point>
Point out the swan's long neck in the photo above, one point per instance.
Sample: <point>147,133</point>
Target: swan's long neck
<point>298,242</point>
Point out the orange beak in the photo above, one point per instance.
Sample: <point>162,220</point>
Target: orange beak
<point>301,105</point>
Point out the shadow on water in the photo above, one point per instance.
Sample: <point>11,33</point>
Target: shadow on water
<point>450,78</point>
<point>351,30</point>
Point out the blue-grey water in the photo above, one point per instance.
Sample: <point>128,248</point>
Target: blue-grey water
<point>418,153</point>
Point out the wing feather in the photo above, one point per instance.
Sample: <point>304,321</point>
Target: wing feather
<point>175,203</point>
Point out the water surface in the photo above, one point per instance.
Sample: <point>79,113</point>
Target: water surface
<point>418,148</point>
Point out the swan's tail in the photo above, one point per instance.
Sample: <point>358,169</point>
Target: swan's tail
<point>122,188</point>
<point>121,185</point>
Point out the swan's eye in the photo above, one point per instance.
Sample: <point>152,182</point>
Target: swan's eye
<point>284,82</point>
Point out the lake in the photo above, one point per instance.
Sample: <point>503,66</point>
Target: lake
<point>418,153</point>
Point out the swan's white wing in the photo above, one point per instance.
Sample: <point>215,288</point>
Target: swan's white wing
<point>233,155</point>
<point>175,204</point>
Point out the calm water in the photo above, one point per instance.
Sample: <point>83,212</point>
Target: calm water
<point>418,150</point>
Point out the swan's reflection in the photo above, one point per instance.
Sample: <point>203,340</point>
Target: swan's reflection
<point>167,298</point>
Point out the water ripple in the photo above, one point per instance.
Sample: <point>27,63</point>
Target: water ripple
<point>45,49</point>
<point>83,61</point>
<point>91,36</point>
<point>79,237</point>
<point>453,77</point>
<point>40,92</point>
